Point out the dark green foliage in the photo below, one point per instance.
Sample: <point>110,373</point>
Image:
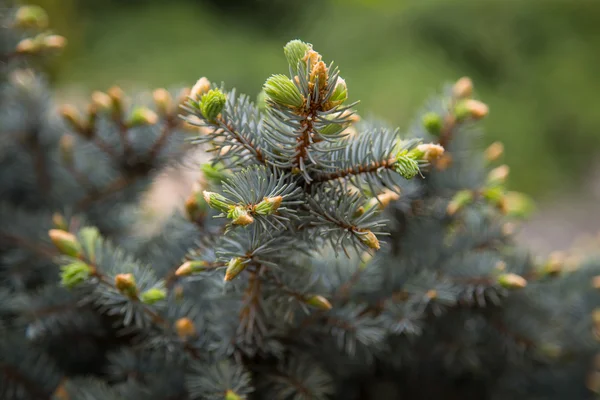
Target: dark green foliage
<point>333,263</point>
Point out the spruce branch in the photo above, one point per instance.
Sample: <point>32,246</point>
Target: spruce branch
<point>230,131</point>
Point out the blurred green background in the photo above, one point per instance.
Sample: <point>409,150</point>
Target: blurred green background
<point>536,63</point>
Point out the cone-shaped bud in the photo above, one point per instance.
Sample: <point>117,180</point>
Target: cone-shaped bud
<point>59,221</point>
<point>432,122</point>
<point>340,93</point>
<point>125,283</point>
<point>185,328</point>
<point>142,116</point>
<point>231,395</point>
<point>153,295</point>
<point>498,175</point>
<point>477,109</point>
<point>553,265</point>
<point>71,115</point>
<point>294,51</point>
<point>27,46</point>
<point>512,281</point>
<point>54,42</point>
<point>66,150</point>
<point>191,267</point>
<point>240,216</point>
<point>163,100</point>
<point>281,90</point>
<point>319,302</point>
<point>321,73</point>
<point>430,151</point>
<point>117,96</point>
<point>406,166</point>
<point>65,242</point>
<point>201,87</point>
<point>195,208</point>
<point>102,101</point>
<point>89,238</point>
<point>470,108</point>
<point>312,57</point>
<point>369,239</point>
<point>212,103</point>
<point>463,88</point>
<point>382,200</point>
<point>460,200</point>
<point>31,17</point>
<point>386,197</point>
<point>494,194</point>
<point>234,268</point>
<point>494,151</point>
<point>215,173</point>
<point>75,273</point>
<point>269,205</point>
<point>518,205</point>
<point>216,201</point>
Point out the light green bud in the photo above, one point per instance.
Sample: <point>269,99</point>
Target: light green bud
<point>75,273</point>
<point>215,200</point>
<point>294,51</point>
<point>212,103</point>
<point>281,90</point>
<point>153,295</point>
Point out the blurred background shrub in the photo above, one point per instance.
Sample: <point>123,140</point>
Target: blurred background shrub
<point>535,62</point>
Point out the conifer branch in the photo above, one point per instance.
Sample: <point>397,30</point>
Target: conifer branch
<point>373,167</point>
<point>97,195</point>
<point>166,131</point>
<point>105,147</point>
<point>244,142</point>
<point>35,247</point>
<point>251,327</point>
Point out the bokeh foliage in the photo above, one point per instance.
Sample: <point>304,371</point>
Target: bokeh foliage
<point>535,62</point>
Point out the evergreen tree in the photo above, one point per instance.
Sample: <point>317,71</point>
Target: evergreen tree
<point>321,256</point>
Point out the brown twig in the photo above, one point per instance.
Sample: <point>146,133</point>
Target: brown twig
<point>166,131</point>
<point>248,314</point>
<point>79,177</point>
<point>282,286</point>
<point>105,147</point>
<point>355,170</point>
<point>38,248</point>
<point>118,184</point>
<point>123,135</point>
<point>303,140</point>
<point>244,142</point>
